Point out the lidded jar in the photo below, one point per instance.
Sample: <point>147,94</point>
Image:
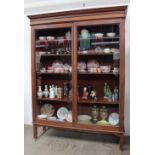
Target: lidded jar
<point>103,113</point>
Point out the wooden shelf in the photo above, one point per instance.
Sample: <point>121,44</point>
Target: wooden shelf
<point>104,37</point>
<point>55,99</point>
<point>93,53</point>
<point>88,73</point>
<point>55,55</point>
<point>52,73</point>
<point>99,101</point>
<point>55,40</point>
<point>105,43</point>
<point>95,124</point>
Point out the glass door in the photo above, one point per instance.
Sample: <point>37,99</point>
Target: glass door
<point>53,50</point>
<point>98,50</point>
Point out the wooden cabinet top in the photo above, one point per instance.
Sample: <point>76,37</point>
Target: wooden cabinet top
<point>79,15</point>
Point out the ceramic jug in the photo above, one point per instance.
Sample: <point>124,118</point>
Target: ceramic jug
<point>39,93</point>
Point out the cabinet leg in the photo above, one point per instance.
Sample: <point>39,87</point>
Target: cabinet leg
<point>35,133</point>
<point>121,141</point>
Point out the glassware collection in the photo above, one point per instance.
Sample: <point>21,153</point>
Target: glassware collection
<point>54,45</point>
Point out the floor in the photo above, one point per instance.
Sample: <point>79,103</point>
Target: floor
<point>59,142</point>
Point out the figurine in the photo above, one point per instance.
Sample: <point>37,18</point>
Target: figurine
<point>52,92</point>
<point>70,94</point>
<point>56,91</point>
<point>107,92</point>
<point>39,93</point>
<point>46,92</point>
<point>59,93</point>
<point>66,89</point>
<point>93,95</point>
<point>115,94</point>
<point>85,93</point>
<point>89,88</point>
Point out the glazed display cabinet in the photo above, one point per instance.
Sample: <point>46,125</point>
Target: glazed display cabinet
<point>78,70</point>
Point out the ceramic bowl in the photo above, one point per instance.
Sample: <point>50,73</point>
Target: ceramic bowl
<point>59,70</point>
<point>42,116</point>
<point>84,118</point>
<point>113,50</point>
<point>50,68</point>
<point>50,38</point>
<point>105,69</point>
<point>43,70</point>
<point>98,49</point>
<point>92,70</point>
<point>115,71</point>
<point>106,50</point>
<point>42,53</point>
<point>60,39</point>
<point>111,34</point>
<point>41,38</point>
<point>99,35</point>
<point>82,70</point>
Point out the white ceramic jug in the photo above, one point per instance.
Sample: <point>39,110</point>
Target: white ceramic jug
<point>39,93</point>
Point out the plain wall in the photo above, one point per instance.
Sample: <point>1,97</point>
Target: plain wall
<point>27,75</point>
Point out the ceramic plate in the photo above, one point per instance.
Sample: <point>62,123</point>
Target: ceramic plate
<point>113,119</point>
<point>62,112</point>
<point>47,109</point>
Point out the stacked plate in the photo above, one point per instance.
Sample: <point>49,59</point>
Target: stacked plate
<point>84,118</point>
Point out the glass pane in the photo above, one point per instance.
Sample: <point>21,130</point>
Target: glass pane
<point>53,71</point>
<point>98,75</point>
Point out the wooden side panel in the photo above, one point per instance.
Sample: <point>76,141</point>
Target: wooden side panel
<point>33,73</point>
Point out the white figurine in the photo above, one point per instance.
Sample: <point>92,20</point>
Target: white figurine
<point>46,92</point>
<point>52,92</point>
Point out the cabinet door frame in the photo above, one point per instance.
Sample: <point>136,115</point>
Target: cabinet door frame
<point>121,22</point>
<point>33,62</point>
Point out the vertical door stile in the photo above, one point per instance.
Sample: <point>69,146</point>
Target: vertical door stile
<point>33,73</point>
<point>75,73</point>
<point>122,74</point>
